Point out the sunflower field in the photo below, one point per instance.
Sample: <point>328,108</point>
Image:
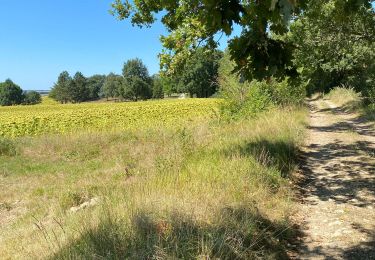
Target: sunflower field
<point>58,119</point>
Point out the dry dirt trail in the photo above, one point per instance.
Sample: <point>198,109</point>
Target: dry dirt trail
<point>338,208</point>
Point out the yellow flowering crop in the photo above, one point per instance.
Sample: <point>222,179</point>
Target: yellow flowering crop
<point>51,118</point>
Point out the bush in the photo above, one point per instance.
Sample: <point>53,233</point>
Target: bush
<point>260,96</point>
<point>32,98</point>
<point>258,99</point>
<point>7,147</point>
<point>287,92</point>
<point>247,98</point>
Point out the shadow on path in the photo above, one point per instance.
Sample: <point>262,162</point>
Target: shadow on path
<point>345,163</point>
<point>338,188</point>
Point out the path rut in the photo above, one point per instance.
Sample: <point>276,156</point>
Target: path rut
<point>339,187</point>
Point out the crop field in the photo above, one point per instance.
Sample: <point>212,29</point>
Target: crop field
<point>50,118</point>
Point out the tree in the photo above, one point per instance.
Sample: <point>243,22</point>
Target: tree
<point>79,91</point>
<point>95,85</point>
<point>170,84</point>
<point>112,86</point>
<point>232,86</point>
<point>157,87</point>
<point>137,82</point>
<point>10,93</point>
<point>200,73</point>
<point>61,90</point>
<point>32,98</point>
<point>335,48</point>
<point>195,23</point>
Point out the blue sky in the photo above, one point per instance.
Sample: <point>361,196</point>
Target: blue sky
<point>41,38</point>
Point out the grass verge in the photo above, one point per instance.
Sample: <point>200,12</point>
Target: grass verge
<point>351,101</point>
<point>346,98</point>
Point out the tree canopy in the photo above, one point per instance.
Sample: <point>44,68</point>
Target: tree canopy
<point>157,87</point>
<point>79,91</point>
<point>195,23</point>
<point>137,82</point>
<point>332,49</point>
<point>94,85</point>
<point>112,85</point>
<point>200,74</point>
<point>61,90</point>
<point>10,93</point>
<point>134,84</point>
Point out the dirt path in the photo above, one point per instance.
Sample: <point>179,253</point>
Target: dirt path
<point>339,189</point>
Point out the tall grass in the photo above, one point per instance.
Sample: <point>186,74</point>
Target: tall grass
<point>351,100</point>
<point>206,190</point>
<point>346,97</point>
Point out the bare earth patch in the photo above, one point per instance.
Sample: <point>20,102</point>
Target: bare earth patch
<point>339,188</point>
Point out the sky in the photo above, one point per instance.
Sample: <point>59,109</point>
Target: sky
<point>41,38</point>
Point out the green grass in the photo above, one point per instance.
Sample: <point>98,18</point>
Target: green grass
<point>200,190</point>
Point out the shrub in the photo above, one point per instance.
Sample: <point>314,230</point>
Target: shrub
<point>32,98</point>
<point>286,92</point>
<point>258,99</point>
<point>258,96</point>
<point>244,98</point>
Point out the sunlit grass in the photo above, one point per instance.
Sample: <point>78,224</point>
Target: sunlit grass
<point>199,190</point>
<point>352,101</point>
<point>345,97</point>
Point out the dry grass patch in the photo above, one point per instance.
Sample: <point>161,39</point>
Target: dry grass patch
<point>344,97</point>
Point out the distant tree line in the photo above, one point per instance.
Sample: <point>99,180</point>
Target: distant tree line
<point>12,94</point>
<point>77,89</point>
<point>134,84</point>
<point>198,78</point>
